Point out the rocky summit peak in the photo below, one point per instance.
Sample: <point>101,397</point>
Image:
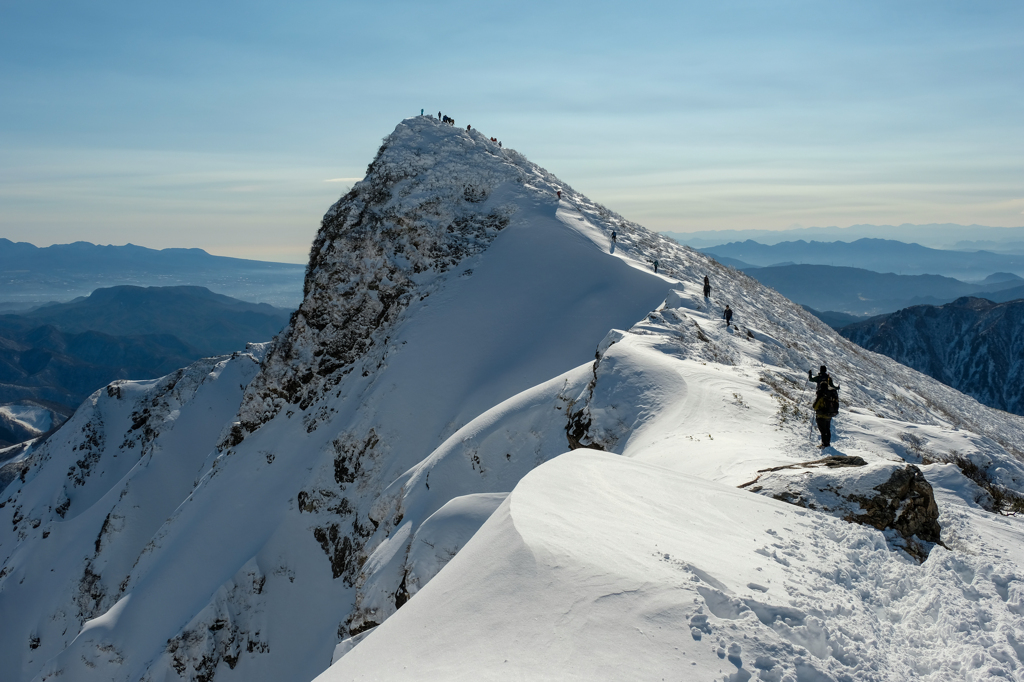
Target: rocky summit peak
<point>433,196</point>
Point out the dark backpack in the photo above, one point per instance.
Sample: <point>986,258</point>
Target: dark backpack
<point>827,401</point>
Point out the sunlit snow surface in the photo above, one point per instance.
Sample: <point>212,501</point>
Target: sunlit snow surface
<point>32,417</point>
<point>655,566</point>
<point>134,548</point>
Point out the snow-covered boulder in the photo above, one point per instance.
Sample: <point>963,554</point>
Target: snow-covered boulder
<point>884,495</point>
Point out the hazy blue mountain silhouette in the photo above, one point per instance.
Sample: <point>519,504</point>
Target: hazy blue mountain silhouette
<point>934,235</point>
<point>879,255</point>
<point>856,291</point>
<point>62,353</point>
<point>34,275</point>
<point>211,323</point>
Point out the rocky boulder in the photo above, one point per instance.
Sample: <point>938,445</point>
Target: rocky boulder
<point>893,497</point>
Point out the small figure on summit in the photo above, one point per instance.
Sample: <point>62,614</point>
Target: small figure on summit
<point>727,315</point>
<point>707,287</point>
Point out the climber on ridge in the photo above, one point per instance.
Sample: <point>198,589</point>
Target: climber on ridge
<point>707,287</point>
<point>822,377</point>
<point>826,406</point>
<point>728,315</point>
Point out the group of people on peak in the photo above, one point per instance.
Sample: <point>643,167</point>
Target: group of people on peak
<point>451,121</point>
<point>826,403</point>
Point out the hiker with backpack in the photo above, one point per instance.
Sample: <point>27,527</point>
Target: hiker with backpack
<point>727,315</point>
<point>826,406</point>
<point>707,287</point>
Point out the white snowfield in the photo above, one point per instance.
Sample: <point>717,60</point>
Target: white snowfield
<point>419,515</point>
<point>31,417</point>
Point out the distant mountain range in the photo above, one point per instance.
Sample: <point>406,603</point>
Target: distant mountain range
<point>30,275</point>
<point>879,255</point>
<point>935,235</point>
<point>856,291</point>
<point>208,323</point>
<point>974,345</point>
<point>59,354</point>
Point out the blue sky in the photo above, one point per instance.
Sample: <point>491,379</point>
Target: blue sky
<point>233,126</point>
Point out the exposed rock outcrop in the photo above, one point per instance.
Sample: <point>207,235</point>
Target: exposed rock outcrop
<point>891,497</point>
<point>418,213</point>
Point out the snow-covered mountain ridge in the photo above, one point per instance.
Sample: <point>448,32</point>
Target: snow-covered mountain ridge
<point>269,520</point>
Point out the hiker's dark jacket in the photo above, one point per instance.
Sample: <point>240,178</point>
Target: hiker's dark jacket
<point>818,380</point>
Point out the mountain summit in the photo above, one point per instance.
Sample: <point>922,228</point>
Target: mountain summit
<point>388,485</point>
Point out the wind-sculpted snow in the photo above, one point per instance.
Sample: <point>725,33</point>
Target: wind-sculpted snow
<point>600,567</point>
<point>444,351</point>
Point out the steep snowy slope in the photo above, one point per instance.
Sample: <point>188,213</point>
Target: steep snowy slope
<point>444,350</point>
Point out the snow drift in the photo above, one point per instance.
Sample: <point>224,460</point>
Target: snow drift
<point>262,515</point>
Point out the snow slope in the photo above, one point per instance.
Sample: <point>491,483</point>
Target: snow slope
<point>29,417</point>
<point>654,565</point>
<point>440,365</point>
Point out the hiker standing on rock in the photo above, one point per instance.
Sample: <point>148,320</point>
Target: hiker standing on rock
<point>707,287</point>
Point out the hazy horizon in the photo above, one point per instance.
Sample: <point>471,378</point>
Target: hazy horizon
<point>233,128</point>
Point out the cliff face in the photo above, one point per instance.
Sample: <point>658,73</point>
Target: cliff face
<point>972,344</point>
<point>427,203</point>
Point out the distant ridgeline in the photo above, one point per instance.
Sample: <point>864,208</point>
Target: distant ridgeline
<point>31,275</point>
<point>56,355</point>
<point>879,255</point>
<point>859,292</point>
<point>946,236</point>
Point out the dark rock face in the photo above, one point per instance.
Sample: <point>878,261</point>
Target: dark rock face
<point>972,344</point>
<point>419,212</point>
<point>906,504</point>
<point>903,505</point>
